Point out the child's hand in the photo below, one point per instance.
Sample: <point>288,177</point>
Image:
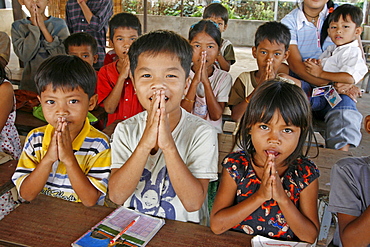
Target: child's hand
<point>125,69</point>
<point>52,153</point>
<point>198,74</point>
<point>65,150</point>
<point>269,73</point>
<point>150,135</point>
<point>265,189</point>
<point>278,192</point>
<point>34,14</point>
<point>165,139</point>
<point>203,69</point>
<point>313,67</point>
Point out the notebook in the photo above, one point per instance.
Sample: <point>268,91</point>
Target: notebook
<point>138,234</point>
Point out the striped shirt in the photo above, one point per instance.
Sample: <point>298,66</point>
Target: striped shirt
<point>102,11</point>
<point>91,149</point>
<point>305,34</point>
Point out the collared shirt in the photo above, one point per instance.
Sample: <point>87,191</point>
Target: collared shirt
<point>91,149</point>
<point>345,58</point>
<point>102,11</point>
<point>305,34</point>
<point>128,105</point>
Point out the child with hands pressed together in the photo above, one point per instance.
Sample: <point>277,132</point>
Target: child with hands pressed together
<point>68,158</point>
<point>271,48</point>
<point>164,152</point>
<point>209,89</point>
<point>36,38</point>
<point>115,90</point>
<point>270,188</point>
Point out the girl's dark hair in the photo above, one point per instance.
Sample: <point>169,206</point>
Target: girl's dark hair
<point>277,96</point>
<point>324,30</point>
<point>124,20</point>
<point>64,71</point>
<point>207,26</point>
<point>347,10</point>
<point>161,41</point>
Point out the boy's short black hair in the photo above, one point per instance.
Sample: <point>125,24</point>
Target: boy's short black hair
<point>216,10</point>
<point>64,71</point>
<point>161,41</point>
<point>273,31</point>
<point>124,20</point>
<point>345,10</point>
<point>209,27</point>
<point>78,39</point>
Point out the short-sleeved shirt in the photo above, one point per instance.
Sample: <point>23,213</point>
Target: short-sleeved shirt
<point>102,11</point>
<point>350,188</point>
<point>268,219</point>
<point>242,88</point>
<point>4,46</point>
<point>128,105</point>
<point>91,149</point>
<point>345,58</point>
<point>305,34</point>
<point>221,83</point>
<point>196,142</point>
<point>227,51</point>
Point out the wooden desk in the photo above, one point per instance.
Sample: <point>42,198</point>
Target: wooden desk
<point>25,121</point>
<point>49,221</point>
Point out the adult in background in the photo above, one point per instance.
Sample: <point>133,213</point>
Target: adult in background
<point>308,24</point>
<point>90,16</point>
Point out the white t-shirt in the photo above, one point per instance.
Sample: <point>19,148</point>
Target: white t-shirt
<point>196,142</point>
<point>345,58</point>
<point>221,83</point>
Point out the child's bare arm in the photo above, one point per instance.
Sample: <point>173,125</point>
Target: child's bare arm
<point>350,226</point>
<point>304,220</point>
<point>224,64</point>
<point>35,181</point>
<point>298,67</point>
<point>85,190</point>
<point>123,181</point>
<point>85,10</point>
<point>112,101</point>
<point>315,69</point>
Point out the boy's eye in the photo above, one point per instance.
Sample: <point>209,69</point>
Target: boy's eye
<point>196,46</point>
<point>263,52</point>
<point>73,101</point>
<point>171,76</point>
<point>50,102</point>
<point>146,75</point>
<point>333,27</point>
<point>210,46</point>
<point>133,39</point>
<point>85,56</point>
<point>346,26</point>
<point>277,53</point>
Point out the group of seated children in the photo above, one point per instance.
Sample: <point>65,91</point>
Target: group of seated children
<point>161,160</point>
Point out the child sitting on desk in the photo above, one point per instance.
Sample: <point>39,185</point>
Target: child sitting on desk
<point>68,158</point>
<point>164,157</point>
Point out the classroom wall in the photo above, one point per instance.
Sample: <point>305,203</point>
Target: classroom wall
<point>239,32</point>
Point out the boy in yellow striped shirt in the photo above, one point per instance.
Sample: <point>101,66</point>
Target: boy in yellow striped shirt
<point>68,158</point>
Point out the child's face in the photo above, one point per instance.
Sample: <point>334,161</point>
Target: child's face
<point>160,72</point>
<point>220,22</point>
<point>70,104</point>
<point>267,50</point>
<point>275,137</point>
<point>343,32</point>
<point>84,52</point>
<point>122,39</point>
<point>314,4</point>
<point>150,199</point>
<point>31,4</point>
<point>203,42</point>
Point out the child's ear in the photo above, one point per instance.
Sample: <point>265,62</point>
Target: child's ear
<point>187,85</point>
<point>286,54</point>
<point>367,123</point>
<point>358,31</point>
<point>254,51</point>
<point>21,2</point>
<point>92,102</point>
<point>96,56</point>
<point>225,27</point>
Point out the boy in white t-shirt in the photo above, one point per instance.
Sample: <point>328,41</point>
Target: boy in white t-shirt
<point>163,158</point>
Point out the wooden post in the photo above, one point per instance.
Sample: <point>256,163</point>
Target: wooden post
<point>145,17</point>
<point>17,10</point>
